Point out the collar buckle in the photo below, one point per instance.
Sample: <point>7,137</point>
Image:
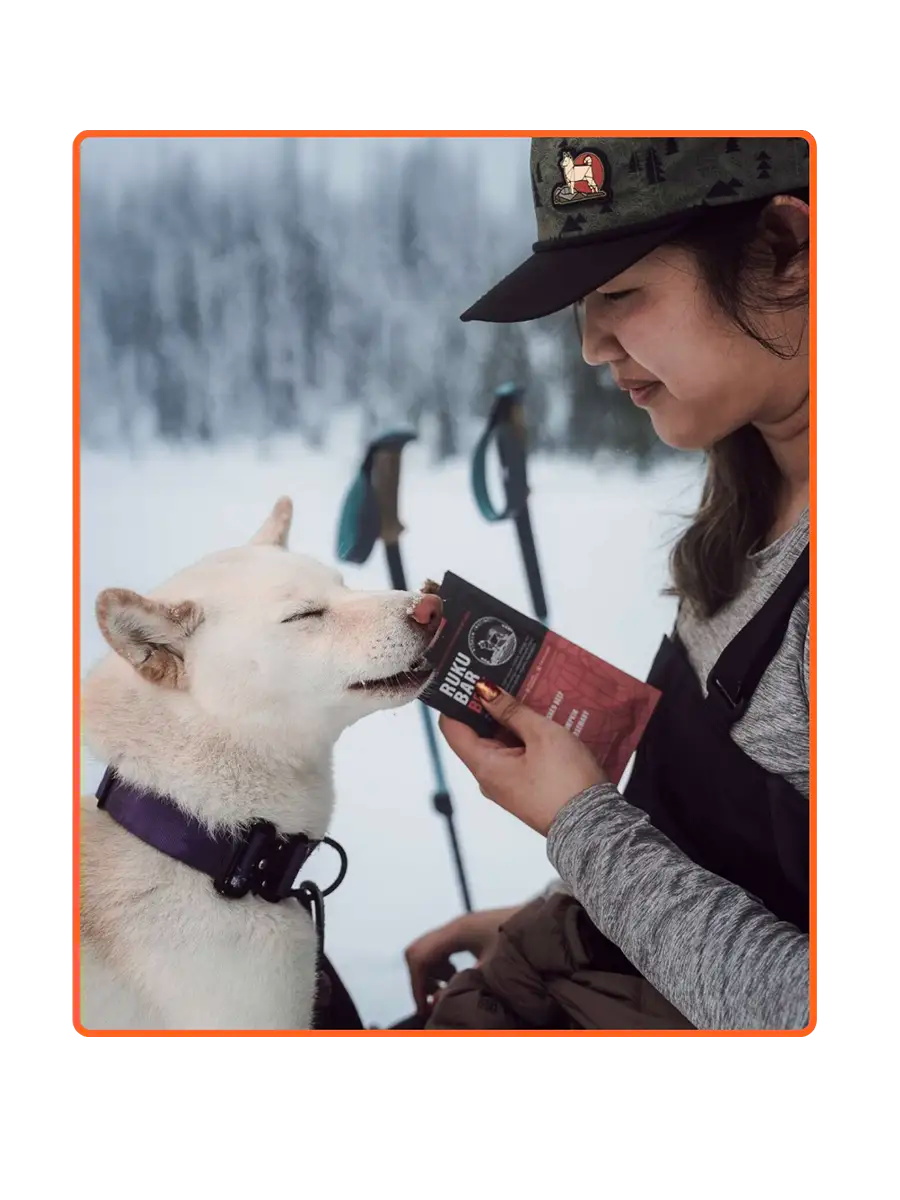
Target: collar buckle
<point>265,864</point>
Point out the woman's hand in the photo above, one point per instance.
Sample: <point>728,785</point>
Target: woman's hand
<point>428,957</point>
<point>533,781</point>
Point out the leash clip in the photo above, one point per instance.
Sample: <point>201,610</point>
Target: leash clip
<point>304,890</point>
<point>312,898</point>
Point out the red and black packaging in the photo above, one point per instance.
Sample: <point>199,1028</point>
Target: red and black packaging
<point>482,638</point>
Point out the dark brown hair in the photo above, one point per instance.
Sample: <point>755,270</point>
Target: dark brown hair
<point>740,494</point>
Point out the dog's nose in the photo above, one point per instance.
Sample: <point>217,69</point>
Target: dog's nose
<point>428,612</point>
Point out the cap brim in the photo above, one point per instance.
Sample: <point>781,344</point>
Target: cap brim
<point>552,279</point>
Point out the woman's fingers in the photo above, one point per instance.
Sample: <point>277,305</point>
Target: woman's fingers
<point>463,741</point>
<point>510,712</point>
<point>425,972</point>
<point>428,959</point>
<point>481,755</point>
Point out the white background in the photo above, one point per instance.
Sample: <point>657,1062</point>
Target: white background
<point>698,1116</point>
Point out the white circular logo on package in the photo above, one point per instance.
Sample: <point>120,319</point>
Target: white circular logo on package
<point>492,641</point>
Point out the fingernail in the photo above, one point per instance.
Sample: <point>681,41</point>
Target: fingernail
<point>487,691</point>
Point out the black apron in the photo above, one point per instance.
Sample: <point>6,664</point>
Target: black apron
<point>334,1008</point>
<point>726,812</point>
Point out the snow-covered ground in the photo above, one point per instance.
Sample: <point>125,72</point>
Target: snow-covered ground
<point>603,533</point>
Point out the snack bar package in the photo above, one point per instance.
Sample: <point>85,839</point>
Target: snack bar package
<point>482,638</point>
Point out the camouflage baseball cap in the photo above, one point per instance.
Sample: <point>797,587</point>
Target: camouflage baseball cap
<point>603,203</point>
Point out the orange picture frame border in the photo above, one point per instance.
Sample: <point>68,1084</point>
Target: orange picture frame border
<point>76,573</point>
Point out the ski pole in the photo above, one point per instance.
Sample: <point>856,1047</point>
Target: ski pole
<point>370,512</point>
<point>506,427</point>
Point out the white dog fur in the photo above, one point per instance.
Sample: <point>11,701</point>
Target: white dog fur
<point>214,698</point>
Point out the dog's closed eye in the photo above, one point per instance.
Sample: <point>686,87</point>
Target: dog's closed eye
<point>301,616</point>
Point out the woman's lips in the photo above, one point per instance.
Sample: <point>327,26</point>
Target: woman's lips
<point>642,396</point>
<point>641,391</point>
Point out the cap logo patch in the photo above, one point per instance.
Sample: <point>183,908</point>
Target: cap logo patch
<point>584,175</point>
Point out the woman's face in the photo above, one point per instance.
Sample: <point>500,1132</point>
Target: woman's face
<point>683,360</point>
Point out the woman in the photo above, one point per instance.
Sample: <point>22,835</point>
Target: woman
<point>688,261</point>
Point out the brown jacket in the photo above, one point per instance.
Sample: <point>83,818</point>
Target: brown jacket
<point>548,971</point>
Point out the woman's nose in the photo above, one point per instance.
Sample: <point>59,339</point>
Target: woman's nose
<point>428,612</point>
<point>598,345</point>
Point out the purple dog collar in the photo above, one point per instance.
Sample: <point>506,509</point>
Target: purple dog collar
<point>258,860</point>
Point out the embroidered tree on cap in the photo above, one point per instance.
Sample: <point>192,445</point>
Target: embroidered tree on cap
<point>723,188</point>
<point>655,172</point>
<point>764,162</point>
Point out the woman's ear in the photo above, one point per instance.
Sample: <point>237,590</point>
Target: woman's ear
<point>784,231</point>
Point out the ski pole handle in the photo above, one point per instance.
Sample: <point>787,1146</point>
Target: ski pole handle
<point>505,428</point>
<point>369,511</point>
<point>386,484</point>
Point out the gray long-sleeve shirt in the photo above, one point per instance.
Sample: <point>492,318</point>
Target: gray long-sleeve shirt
<point>712,949</point>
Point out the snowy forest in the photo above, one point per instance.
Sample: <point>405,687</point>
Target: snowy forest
<point>327,279</point>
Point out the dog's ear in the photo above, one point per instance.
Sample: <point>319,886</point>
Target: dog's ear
<point>276,527</point>
<point>149,634</point>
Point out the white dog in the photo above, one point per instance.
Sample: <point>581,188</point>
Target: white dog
<point>583,172</point>
<point>227,691</point>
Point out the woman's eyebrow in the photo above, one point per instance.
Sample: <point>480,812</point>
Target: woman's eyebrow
<point>621,283</point>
